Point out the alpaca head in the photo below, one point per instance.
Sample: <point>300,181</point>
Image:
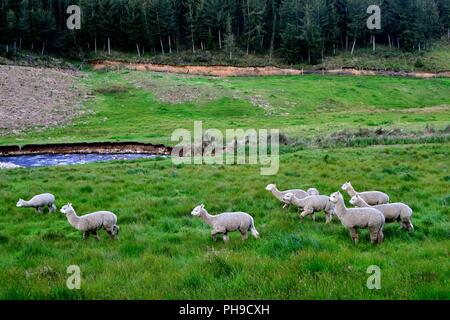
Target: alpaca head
<point>270,187</point>
<point>20,203</point>
<point>198,210</point>
<point>346,185</point>
<point>288,198</point>
<point>335,197</point>
<point>354,200</point>
<point>67,208</point>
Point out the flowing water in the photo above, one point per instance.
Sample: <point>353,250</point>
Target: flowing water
<point>46,160</point>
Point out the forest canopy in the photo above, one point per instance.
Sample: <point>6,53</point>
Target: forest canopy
<point>295,30</point>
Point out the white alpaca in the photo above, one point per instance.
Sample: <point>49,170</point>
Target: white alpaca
<point>371,197</point>
<point>227,222</point>
<point>355,218</point>
<point>299,193</point>
<point>392,211</point>
<point>311,205</point>
<point>92,222</point>
<point>39,202</point>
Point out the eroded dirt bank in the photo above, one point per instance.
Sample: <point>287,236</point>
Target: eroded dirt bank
<point>229,71</point>
<point>95,147</point>
<point>38,98</point>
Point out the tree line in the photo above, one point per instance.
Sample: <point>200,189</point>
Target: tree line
<point>296,30</point>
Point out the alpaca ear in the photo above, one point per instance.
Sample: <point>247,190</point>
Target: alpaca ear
<point>202,205</point>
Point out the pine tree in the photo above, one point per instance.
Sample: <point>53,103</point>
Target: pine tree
<point>291,20</point>
<point>229,38</point>
<point>312,29</point>
<point>23,24</point>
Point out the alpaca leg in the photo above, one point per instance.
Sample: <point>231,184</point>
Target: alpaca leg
<point>306,212</point>
<point>380,236</point>
<point>39,210</point>
<point>354,235</point>
<point>214,235</point>
<point>96,235</point>
<point>285,206</point>
<point>110,234</point>
<point>244,235</point>
<point>373,234</point>
<point>85,235</point>
<point>52,208</point>
<point>225,237</point>
<point>109,230</point>
<point>327,217</point>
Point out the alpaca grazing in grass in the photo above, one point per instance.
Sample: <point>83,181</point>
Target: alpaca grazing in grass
<point>39,202</point>
<point>92,222</point>
<point>355,218</point>
<point>227,222</point>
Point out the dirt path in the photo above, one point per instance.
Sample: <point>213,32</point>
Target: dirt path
<point>229,71</point>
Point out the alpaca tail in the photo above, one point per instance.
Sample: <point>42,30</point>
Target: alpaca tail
<point>253,230</point>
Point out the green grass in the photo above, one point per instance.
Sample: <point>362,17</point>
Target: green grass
<point>163,252</point>
<point>128,106</point>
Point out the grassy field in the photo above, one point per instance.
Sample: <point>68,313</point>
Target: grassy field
<point>164,252</point>
<point>148,107</point>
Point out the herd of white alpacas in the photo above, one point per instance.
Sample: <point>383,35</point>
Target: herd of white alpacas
<point>372,210</point>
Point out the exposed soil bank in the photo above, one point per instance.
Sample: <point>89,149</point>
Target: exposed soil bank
<point>229,71</point>
<point>38,98</point>
<point>84,148</point>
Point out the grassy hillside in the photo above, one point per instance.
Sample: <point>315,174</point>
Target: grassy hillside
<point>164,252</point>
<point>131,105</point>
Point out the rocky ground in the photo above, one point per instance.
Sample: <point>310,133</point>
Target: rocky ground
<point>38,98</point>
